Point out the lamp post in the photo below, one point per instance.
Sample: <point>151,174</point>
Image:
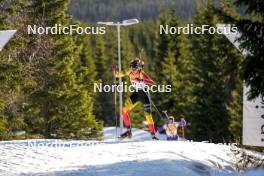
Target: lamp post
<point>118,26</point>
<point>5,36</point>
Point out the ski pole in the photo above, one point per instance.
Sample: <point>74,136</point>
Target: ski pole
<point>114,71</point>
<point>183,132</point>
<point>155,106</point>
<point>157,110</point>
<point>183,125</point>
<point>115,108</point>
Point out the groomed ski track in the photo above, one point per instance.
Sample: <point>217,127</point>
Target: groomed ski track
<point>139,156</point>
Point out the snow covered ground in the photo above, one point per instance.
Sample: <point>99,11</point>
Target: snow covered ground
<point>137,157</point>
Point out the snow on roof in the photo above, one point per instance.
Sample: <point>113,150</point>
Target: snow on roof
<point>232,37</point>
<point>5,36</point>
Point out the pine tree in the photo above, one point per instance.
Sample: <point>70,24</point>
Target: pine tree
<point>162,53</point>
<point>3,122</point>
<point>233,79</point>
<point>252,40</point>
<point>3,118</point>
<point>63,108</point>
<point>12,74</point>
<point>215,65</point>
<point>235,111</point>
<point>103,69</point>
<point>84,65</point>
<point>172,58</point>
<point>100,59</point>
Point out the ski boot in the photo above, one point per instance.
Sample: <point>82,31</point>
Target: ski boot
<point>127,134</point>
<point>154,137</point>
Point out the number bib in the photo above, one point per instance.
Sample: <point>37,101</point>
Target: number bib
<point>171,130</point>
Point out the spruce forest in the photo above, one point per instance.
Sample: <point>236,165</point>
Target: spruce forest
<point>47,81</point>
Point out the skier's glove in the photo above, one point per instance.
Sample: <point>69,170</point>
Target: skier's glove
<point>183,122</point>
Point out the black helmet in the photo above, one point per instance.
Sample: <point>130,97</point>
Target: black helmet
<point>136,64</point>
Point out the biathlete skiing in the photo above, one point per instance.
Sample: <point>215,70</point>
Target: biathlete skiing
<point>170,128</point>
<point>138,79</point>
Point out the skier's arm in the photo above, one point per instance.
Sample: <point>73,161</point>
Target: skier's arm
<point>118,74</point>
<point>146,79</point>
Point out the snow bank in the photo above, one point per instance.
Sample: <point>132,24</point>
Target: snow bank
<point>137,157</point>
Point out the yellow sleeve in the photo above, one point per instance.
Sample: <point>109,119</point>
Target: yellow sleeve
<point>141,74</point>
<point>122,73</point>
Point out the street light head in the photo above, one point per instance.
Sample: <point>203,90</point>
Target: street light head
<point>130,22</point>
<point>124,22</point>
<point>109,23</point>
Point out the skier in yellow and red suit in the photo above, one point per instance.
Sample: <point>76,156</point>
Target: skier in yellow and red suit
<point>138,79</point>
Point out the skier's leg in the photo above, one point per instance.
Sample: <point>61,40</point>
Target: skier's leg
<point>150,123</point>
<point>128,106</point>
<point>147,110</point>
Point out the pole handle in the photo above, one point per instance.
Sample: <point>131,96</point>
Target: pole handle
<point>165,112</point>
